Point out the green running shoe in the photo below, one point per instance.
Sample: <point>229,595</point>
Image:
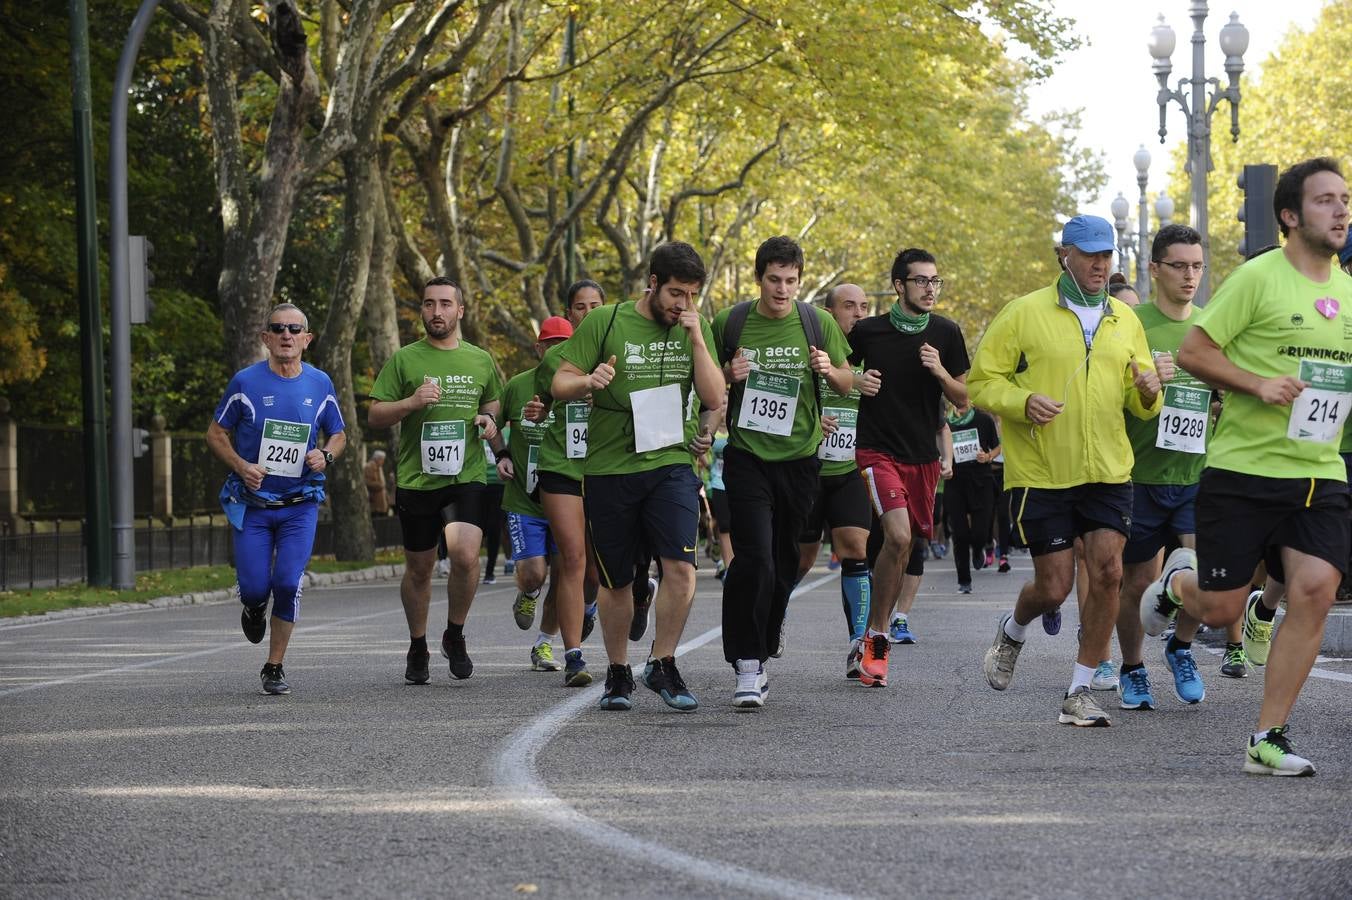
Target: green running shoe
<point>1257,633</point>
<point>1273,756</point>
<point>523,610</point>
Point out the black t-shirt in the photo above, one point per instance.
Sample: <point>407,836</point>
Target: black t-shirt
<point>903,418</point>
<point>988,438</point>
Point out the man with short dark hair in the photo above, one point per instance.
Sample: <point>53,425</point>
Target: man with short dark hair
<point>266,429</point>
<point>444,391</point>
<point>770,464</point>
<point>915,358</point>
<point>1058,366</point>
<point>640,361</point>
<point>1277,339</point>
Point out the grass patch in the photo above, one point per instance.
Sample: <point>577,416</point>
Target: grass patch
<point>149,585</point>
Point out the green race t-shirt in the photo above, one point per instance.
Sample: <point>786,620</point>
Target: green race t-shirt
<point>778,352</point>
<point>647,356</point>
<point>439,445</point>
<point>1156,465</point>
<point>565,443</point>
<point>523,444</point>
<point>846,411</point>
<point>1267,318</point>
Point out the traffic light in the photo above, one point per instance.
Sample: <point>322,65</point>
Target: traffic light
<point>1260,222</point>
<point>139,448</point>
<point>140,278</point>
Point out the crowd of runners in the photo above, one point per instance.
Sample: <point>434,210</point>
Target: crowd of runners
<point>1178,467</point>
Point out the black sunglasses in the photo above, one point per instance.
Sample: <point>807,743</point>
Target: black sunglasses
<point>279,327</point>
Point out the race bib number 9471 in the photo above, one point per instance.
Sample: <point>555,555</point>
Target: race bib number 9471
<point>443,448</point>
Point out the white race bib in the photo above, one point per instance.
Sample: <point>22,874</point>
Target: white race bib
<point>1183,419</point>
<point>575,416</point>
<point>769,403</point>
<point>966,445</point>
<point>532,467</point>
<point>658,421</point>
<point>1319,412</point>
<point>443,447</point>
<point>839,445</point>
<point>282,450</point>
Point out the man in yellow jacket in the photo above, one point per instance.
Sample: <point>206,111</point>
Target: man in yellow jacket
<point>1059,366</point>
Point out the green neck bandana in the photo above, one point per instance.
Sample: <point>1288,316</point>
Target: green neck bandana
<point>1071,291</point>
<point>964,418</point>
<point>907,324</point>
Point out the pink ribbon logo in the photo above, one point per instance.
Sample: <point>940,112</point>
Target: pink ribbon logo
<point>1327,307</point>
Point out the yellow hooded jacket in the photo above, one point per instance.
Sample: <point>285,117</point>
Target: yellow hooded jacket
<point>1035,346</point>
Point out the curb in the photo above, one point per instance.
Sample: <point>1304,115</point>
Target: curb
<point>1337,643</point>
<point>312,580</point>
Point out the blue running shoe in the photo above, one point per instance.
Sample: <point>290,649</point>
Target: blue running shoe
<point>662,676</point>
<point>1051,622</point>
<point>900,632</point>
<point>588,620</point>
<point>1133,690</point>
<point>1188,685</point>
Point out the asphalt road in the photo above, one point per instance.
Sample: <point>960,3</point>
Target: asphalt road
<point>138,758</point>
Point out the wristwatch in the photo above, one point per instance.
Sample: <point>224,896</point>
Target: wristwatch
<point>328,457</point>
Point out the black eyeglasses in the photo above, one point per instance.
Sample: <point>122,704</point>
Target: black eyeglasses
<point>922,282</point>
<point>279,327</point>
<point>1181,267</point>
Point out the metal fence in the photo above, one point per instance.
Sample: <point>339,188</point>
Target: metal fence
<point>34,556</point>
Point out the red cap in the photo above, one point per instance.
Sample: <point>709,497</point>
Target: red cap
<point>555,327</point>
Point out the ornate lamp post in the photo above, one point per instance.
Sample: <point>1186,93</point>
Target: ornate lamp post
<point>1191,95</point>
<point>1141,160</point>
<point>1121,208</point>
<point>1164,209</point>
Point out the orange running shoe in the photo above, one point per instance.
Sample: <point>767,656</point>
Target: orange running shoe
<point>873,667</point>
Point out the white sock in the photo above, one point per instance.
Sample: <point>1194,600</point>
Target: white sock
<point>872,633</point>
<point>534,595</point>
<point>544,638</point>
<point>1259,735</point>
<point>1081,678</point>
<point>1013,630</point>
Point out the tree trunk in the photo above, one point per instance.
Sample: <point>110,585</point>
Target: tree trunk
<point>382,325</point>
<point>353,537</point>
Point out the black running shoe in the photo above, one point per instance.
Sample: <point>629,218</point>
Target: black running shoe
<point>639,625</point>
<point>588,621</point>
<point>662,676</point>
<point>619,685</point>
<point>254,621</point>
<point>453,648</point>
<point>415,671</point>
<point>274,679</point>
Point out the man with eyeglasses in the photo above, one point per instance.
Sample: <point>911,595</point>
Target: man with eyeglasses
<point>1059,365</point>
<point>912,358</point>
<point>444,392</point>
<point>1169,454</point>
<point>267,430</point>
<point>1277,338</point>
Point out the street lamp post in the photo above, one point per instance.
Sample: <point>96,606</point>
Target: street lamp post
<point>1121,208</point>
<point>1164,209</point>
<point>1141,160</point>
<point>1234,40</point>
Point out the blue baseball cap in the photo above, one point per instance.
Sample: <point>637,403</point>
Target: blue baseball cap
<point>1345,254</point>
<point>1089,233</point>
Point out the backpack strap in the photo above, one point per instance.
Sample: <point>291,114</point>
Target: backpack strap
<point>732,329</point>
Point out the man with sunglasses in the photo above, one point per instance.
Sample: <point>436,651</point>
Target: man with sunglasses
<point>267,429</point>
<point>912,359</point>
<point>1059,365</point>
<point>444,391</point>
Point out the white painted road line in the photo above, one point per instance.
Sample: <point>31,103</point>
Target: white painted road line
<point>516,773</point>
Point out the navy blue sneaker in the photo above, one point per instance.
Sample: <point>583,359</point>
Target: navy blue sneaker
<point>1188,685</point>
<point>662,676</point>
<point>619,685</point>
<point>1051,622</point>
<point>1133,690</point>
<point>900,632</point>
<point>575,672</point>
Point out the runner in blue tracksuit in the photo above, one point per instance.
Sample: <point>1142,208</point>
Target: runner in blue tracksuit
<point>266,429</point>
